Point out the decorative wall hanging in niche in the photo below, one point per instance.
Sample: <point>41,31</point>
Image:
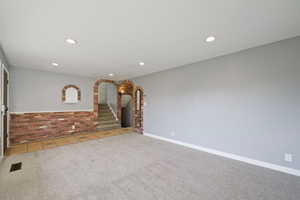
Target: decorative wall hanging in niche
<point>71,94</point>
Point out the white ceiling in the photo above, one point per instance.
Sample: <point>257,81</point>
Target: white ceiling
<point>113,36</point>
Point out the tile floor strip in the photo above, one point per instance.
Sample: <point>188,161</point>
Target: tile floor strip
<point>52,143</point>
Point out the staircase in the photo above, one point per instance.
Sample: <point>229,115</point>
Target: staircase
<point>106,120</point>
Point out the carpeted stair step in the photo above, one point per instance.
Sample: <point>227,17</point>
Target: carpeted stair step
<point>104,111</point>
<point>106,129</point>
<point>105,118</point>
<point>108,126</point>
<point>108,122</point>
<point>104,107</point>
<point>105,114</point>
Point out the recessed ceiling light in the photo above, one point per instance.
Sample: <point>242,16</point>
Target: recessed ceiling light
<point>141,63</point>
<point>210,39</point>
<point>54,64</point>
<point>111,74</point>
<point>71,41</point>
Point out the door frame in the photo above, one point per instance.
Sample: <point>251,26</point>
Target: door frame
<point>4,69</point>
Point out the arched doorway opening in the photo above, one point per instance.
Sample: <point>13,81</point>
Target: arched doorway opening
<point>126,96</point>
<point>133,101</point>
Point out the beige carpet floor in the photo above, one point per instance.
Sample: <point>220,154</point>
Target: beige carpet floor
<point>136,167</point>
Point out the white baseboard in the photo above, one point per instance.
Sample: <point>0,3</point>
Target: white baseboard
<point>231,156</point>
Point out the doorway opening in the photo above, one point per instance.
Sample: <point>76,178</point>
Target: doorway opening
<point>127,111</point>
<point>108,98</point>
<point>107,112</point>
<point>4,109</point>
<point>130,114</point>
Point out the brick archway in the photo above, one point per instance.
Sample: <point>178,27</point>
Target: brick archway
<point>123,87</point>
<point>96,94</point>
<point>139,109</point>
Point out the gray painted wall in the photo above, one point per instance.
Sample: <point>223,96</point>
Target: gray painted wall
<point>247,103</point>
<point>102,93</point>
<point>33,90</point>
<point>2,57</point>
<point>112,96</point>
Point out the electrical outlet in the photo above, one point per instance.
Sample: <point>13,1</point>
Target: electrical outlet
<point>73,127</point>
<point>172,133</point>
<point>288,157</point>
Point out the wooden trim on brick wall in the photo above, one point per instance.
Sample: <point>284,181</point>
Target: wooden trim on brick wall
<point>51,111</point>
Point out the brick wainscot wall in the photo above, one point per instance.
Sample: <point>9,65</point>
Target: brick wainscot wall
<point>36,126</point>
<point>29,127</point>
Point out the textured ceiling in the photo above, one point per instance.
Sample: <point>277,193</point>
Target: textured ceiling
<point>114,36</point>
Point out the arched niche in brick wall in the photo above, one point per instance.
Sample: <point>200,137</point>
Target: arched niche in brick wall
<point>71,94</point>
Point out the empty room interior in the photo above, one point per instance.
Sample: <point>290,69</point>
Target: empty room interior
<point>146,100</point>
